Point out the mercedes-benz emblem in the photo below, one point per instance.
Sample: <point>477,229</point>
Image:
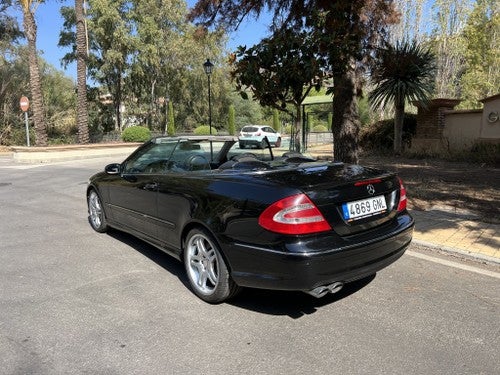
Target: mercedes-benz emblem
<point>371,189</point>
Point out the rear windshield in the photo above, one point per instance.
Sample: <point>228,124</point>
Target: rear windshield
<point>250,129</point>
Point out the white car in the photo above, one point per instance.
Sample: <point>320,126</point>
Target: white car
<point>253,135</point>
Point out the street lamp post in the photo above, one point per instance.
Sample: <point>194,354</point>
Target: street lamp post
<point>208,66</point>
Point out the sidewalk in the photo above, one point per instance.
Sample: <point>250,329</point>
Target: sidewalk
<point>438,228</point>
<point>457,233</point>
<point>50,154</point>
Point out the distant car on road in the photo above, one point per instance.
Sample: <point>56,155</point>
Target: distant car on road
<point>254,135</point>
<point>240,219</point>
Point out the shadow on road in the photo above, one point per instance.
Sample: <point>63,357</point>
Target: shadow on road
<point>271,302</point>
<point>293,304</point>
<point>164,260</point>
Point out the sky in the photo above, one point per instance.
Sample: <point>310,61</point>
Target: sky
<point>49,22</point>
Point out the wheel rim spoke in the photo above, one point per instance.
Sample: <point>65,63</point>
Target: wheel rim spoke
<point>196,266</point>
<point>212,267</point>
<point>212,274</point>
<point>202,279</point>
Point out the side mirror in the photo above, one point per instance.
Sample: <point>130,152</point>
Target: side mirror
<point>113,169</point>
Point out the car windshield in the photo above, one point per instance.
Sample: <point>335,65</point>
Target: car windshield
<point>206,154</point>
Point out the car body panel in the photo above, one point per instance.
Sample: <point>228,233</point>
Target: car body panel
<point>304,266</point>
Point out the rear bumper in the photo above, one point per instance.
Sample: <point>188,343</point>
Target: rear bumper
<point>250,141</point>
<point>266,268</point>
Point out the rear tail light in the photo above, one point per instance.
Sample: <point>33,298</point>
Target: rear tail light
<point>402,196</point>
<point>258,134</point>
<point>293,215</point>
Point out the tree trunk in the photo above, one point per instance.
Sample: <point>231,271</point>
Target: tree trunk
<point>118,117</point>
<point>345,121</point>
<point>35,82</point>
<point>298,129</point>
<point>118,104</point>
<point>398,128</point>
<point>81,74</point>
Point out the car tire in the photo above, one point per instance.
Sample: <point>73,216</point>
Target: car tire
<point>206,270</point>
<point>97,217</point>
<point>263,144</point>
<point>277,143</point>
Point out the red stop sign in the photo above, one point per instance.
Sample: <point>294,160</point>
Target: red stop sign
<point>24,103</point>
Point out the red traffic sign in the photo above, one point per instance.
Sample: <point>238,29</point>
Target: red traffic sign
<point>24,103</point>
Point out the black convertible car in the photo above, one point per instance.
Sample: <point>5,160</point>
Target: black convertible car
<point>264,219</point>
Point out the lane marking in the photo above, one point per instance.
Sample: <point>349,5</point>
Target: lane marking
<point>454,264</point>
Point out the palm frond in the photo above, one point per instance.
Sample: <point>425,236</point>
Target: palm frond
<point>405,71</point>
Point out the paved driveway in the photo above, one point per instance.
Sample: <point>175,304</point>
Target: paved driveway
<point>76,302</point>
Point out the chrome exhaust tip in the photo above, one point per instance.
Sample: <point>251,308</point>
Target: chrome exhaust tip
<point>321,291</point>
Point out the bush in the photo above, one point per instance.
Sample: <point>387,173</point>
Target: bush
<point>380,135</point>
<point>488,153</point>
<point>136,134</point>
<point>287,129</point>
<point>16,136</point>
<point>204,130</point>
<point>319,129</point>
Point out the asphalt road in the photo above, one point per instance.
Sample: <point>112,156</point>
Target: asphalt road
<point>73,301</point>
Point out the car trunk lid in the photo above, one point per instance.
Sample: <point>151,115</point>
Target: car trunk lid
<point>351,198</point>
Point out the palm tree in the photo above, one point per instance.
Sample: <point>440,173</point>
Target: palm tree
<point>30,29</point>
<point>405,72</point>
<point>81,73</point>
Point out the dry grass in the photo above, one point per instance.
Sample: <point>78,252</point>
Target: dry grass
<point>462,187</point>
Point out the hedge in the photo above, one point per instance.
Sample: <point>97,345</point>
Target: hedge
<point>136,134</point>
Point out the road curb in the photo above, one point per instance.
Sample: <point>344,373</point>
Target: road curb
<point>458,252</point>
<point>72,152</point>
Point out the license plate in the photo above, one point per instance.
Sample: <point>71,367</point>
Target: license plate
<point>364,208</point>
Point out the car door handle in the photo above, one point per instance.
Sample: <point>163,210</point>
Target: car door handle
<point>151,186</point>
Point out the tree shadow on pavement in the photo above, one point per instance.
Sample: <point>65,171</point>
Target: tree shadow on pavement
<point>461,229</point>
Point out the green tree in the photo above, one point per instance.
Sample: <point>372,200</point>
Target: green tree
<point>11,70</point>
<point>9,27</point>
<point>280,70</point>
<point>276,120</point>
<point>482,57</point>
<point>30,31</point>
<point>246,111</point>
<point>112,44</point>
<point>449,18</point>
<point>231,125</point>
<point>58,97</point>
<point>404,72</point>
<point>60,109</point>
<point>159,57</point>
<point>141,51</point>
<point>171,121</point>
<point>14,80</point>
<point>343,31</point>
